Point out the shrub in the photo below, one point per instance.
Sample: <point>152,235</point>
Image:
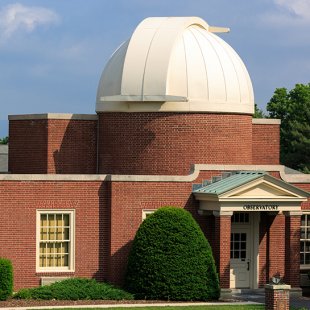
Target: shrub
<point>171,259</point>
<point>6,278</point>
<point>74,289</point>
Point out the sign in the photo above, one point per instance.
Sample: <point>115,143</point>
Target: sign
<point>260,207</point>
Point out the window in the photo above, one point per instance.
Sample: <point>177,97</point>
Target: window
<point>55,231</point>
<point>238,245</point>
<point>240,218</point>
<point>146,213</point>
<point>305,241</point>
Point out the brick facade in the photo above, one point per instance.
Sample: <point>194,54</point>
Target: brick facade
<point>108,213</point>
<point>266,144</point>
<point>62,146</point>
<point>222,248</point>
<point>169,143</point>
<point>18,226</point>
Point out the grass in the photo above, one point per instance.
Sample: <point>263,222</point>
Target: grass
<point>217,307</point>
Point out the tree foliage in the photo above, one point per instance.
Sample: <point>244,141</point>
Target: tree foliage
<point>258,113</point>
<point>171,259</point>
<point>293,108</point>
<point>4,140</point>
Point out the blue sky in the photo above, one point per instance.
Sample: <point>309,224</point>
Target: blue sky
<point>52,52</point>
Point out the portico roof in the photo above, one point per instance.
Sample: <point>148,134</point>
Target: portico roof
<point>250,191</point>
<point>231,182</point>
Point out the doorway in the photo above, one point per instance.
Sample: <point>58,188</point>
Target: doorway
<point>244,250</point>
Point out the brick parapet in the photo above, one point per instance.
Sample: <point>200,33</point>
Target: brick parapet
<point>168,143</point>
<point>47,145</point>
<point>266,144</point>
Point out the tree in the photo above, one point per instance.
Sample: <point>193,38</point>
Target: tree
<point>4,140</point>
<point>293,108</point>
<point>171,259</point>
<point>258,113</point>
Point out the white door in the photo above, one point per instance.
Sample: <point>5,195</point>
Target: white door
<point>240,258</point>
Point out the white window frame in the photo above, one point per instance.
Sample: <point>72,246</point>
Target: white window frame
<point>147,212</point>
<point>71,259</point>
<point>304,266</point>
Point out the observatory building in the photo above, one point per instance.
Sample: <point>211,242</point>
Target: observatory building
<point>173,126</point>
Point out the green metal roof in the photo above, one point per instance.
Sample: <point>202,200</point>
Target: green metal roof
<point>230,182</point>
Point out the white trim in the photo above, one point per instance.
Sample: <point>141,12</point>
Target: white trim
<point>304,266</point>
<point>146,212</point>
<point>266,121</point>
<point>19,117</point>
<point>196,169</point>
<point>71,267</point>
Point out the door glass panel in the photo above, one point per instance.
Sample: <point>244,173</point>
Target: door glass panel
<point>238,245</point>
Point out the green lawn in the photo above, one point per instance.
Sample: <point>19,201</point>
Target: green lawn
<point>219,307</point>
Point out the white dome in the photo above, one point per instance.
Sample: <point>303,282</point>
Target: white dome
<point>175,64</point>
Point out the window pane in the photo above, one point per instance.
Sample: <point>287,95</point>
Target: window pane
<point>51,220</point>
<point>241,217</point>
<point>53,251</point>
<point>59,221</point>
<point>66,219</point>
<point>66,234</point>
<point>52,233</point>
<point>43,220</point>
<point>243,254</point>
<point>303,220</point>
<point>302,246</point>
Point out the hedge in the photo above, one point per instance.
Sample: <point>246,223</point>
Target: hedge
<point>74,289</point>
<point>171,259</point>
<point>6,278</point>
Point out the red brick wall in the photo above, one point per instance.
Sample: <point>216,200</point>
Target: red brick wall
<point>53,146</point>
<point>72,146</point>
<point>168,143</point>
<point>277,245</point>
<point>271,247</point>
<point>222,249</point>
<point>292,255</point>
<point>266,144</point>
<point>18,204</point>
<point>263,269</point>
<point>128,201</point>
<point>28,146</point>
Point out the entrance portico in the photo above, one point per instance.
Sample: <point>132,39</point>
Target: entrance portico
<point>257,228</point>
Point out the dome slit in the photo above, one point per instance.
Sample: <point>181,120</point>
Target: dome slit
<point>219,59</point>
<point>192,29</point>
<point>232,62</point>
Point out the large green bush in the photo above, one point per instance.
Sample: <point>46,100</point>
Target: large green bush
<point>171,259</point>
<point>75,289</point>
<point>6,278</point>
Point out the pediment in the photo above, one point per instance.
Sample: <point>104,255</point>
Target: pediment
<point>261,189</point>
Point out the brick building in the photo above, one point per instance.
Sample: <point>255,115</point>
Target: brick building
<point>173,126</point>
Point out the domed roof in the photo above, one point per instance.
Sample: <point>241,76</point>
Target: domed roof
<point>175,64</point>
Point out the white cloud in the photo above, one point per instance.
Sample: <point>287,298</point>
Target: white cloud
<point>17,17</point>
<point>298,8</point>
<point>288,13</point>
